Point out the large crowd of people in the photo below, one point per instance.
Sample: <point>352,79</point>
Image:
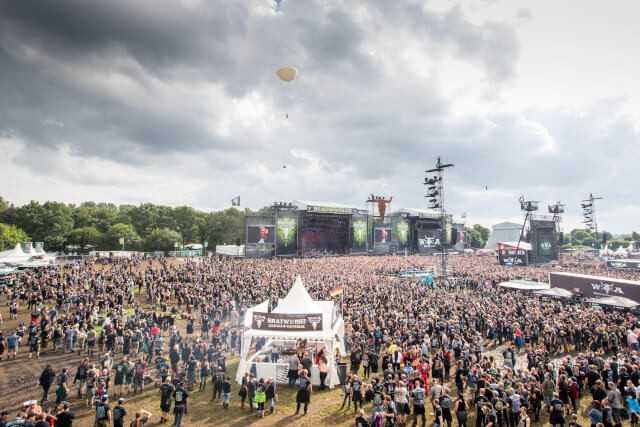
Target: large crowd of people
<point>463,351</point>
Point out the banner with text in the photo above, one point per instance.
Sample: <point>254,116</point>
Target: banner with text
<point>287,322</point>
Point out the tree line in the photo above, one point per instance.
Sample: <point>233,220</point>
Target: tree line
<point>151,227</point>
<point>105,226</point>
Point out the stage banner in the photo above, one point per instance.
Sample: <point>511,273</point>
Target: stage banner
<point>287,233</point>
<point>400,232</point>
<point>359,233</point>
<point>595,286</point>
<point>260,234</point>
<point>287,322</point>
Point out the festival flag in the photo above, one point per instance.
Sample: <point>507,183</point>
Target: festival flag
<point>235,201</point>
<point>338,290</point>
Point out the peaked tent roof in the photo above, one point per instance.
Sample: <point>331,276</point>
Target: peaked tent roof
<point>13,254</point>
<point>297,300</point>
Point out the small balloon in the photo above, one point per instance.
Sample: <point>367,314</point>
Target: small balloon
<point>287,74</point>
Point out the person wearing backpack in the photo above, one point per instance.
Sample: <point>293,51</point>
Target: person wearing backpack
<point>556,416</point>
<point>103,412</point>
<point>180,397</point>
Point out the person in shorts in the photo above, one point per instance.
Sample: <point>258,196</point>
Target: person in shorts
<point>417,396</point>
<point>166,394</point>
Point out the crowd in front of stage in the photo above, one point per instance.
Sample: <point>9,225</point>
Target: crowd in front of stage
<point>466,352</point>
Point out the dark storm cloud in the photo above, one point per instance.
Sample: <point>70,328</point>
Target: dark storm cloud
<point>160,34</point>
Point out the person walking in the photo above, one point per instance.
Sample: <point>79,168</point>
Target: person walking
<point>226,392</point>
<point>166,394</point>
<point>119,412</point>
<point>271,395</point>
<point>418,395</point>
<point>103,412</point>
<point>303,397</point>
<point>47,377</point>
<point>180,397</point>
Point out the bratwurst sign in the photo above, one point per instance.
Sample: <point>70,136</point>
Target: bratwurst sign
<point>287,322</point>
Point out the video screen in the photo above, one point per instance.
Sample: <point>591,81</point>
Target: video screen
<point>260,234</point>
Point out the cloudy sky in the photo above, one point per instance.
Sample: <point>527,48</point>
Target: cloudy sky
<point>177,102</point>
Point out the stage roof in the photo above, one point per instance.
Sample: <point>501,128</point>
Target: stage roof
<point>428,213</point>
<point>304,205</point>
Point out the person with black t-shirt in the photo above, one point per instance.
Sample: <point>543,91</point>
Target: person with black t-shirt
<point>65,417</point>
<point>180,397</point>
<point>121,370</point>
<point>119,412</point>
<point>226,393</point>
<point>166,394</point>
<point>356,387</point>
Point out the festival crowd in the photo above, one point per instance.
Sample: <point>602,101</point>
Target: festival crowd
<point>465,352</point>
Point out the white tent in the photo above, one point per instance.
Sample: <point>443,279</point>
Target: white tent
<point>297,303</point>
<point>555,292</point>
<point>14,256</point>
<point>524,285</point>
<point>263,307</point>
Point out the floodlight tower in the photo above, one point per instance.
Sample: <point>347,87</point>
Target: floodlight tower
<point>435,194</point>
<point>528,207</point>
<point>589,214</point>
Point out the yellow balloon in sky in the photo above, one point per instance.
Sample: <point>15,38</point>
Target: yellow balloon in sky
<point>287,74</point>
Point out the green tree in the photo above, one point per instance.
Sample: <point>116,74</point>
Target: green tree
<point>474,238</point>
<point>582,237</point>
<point>615,244</point>
<point>188,222</point>
<point>162,239</point>
<point>484,233</point>
<point>635,236</point>
<point>121,231</point>
<point>50,222</point>
<point>10,236</point>
<point>144,218</point>
<point>4,205</point>
<point>224,227</point>
<point>98,215</point>
<point>85,236</point>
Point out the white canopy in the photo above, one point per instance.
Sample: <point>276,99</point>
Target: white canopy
<point>555,292</point>
<point>15,255</point>
<point>614,301</point>
<point>297,301</point>
<point>524,285</point>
